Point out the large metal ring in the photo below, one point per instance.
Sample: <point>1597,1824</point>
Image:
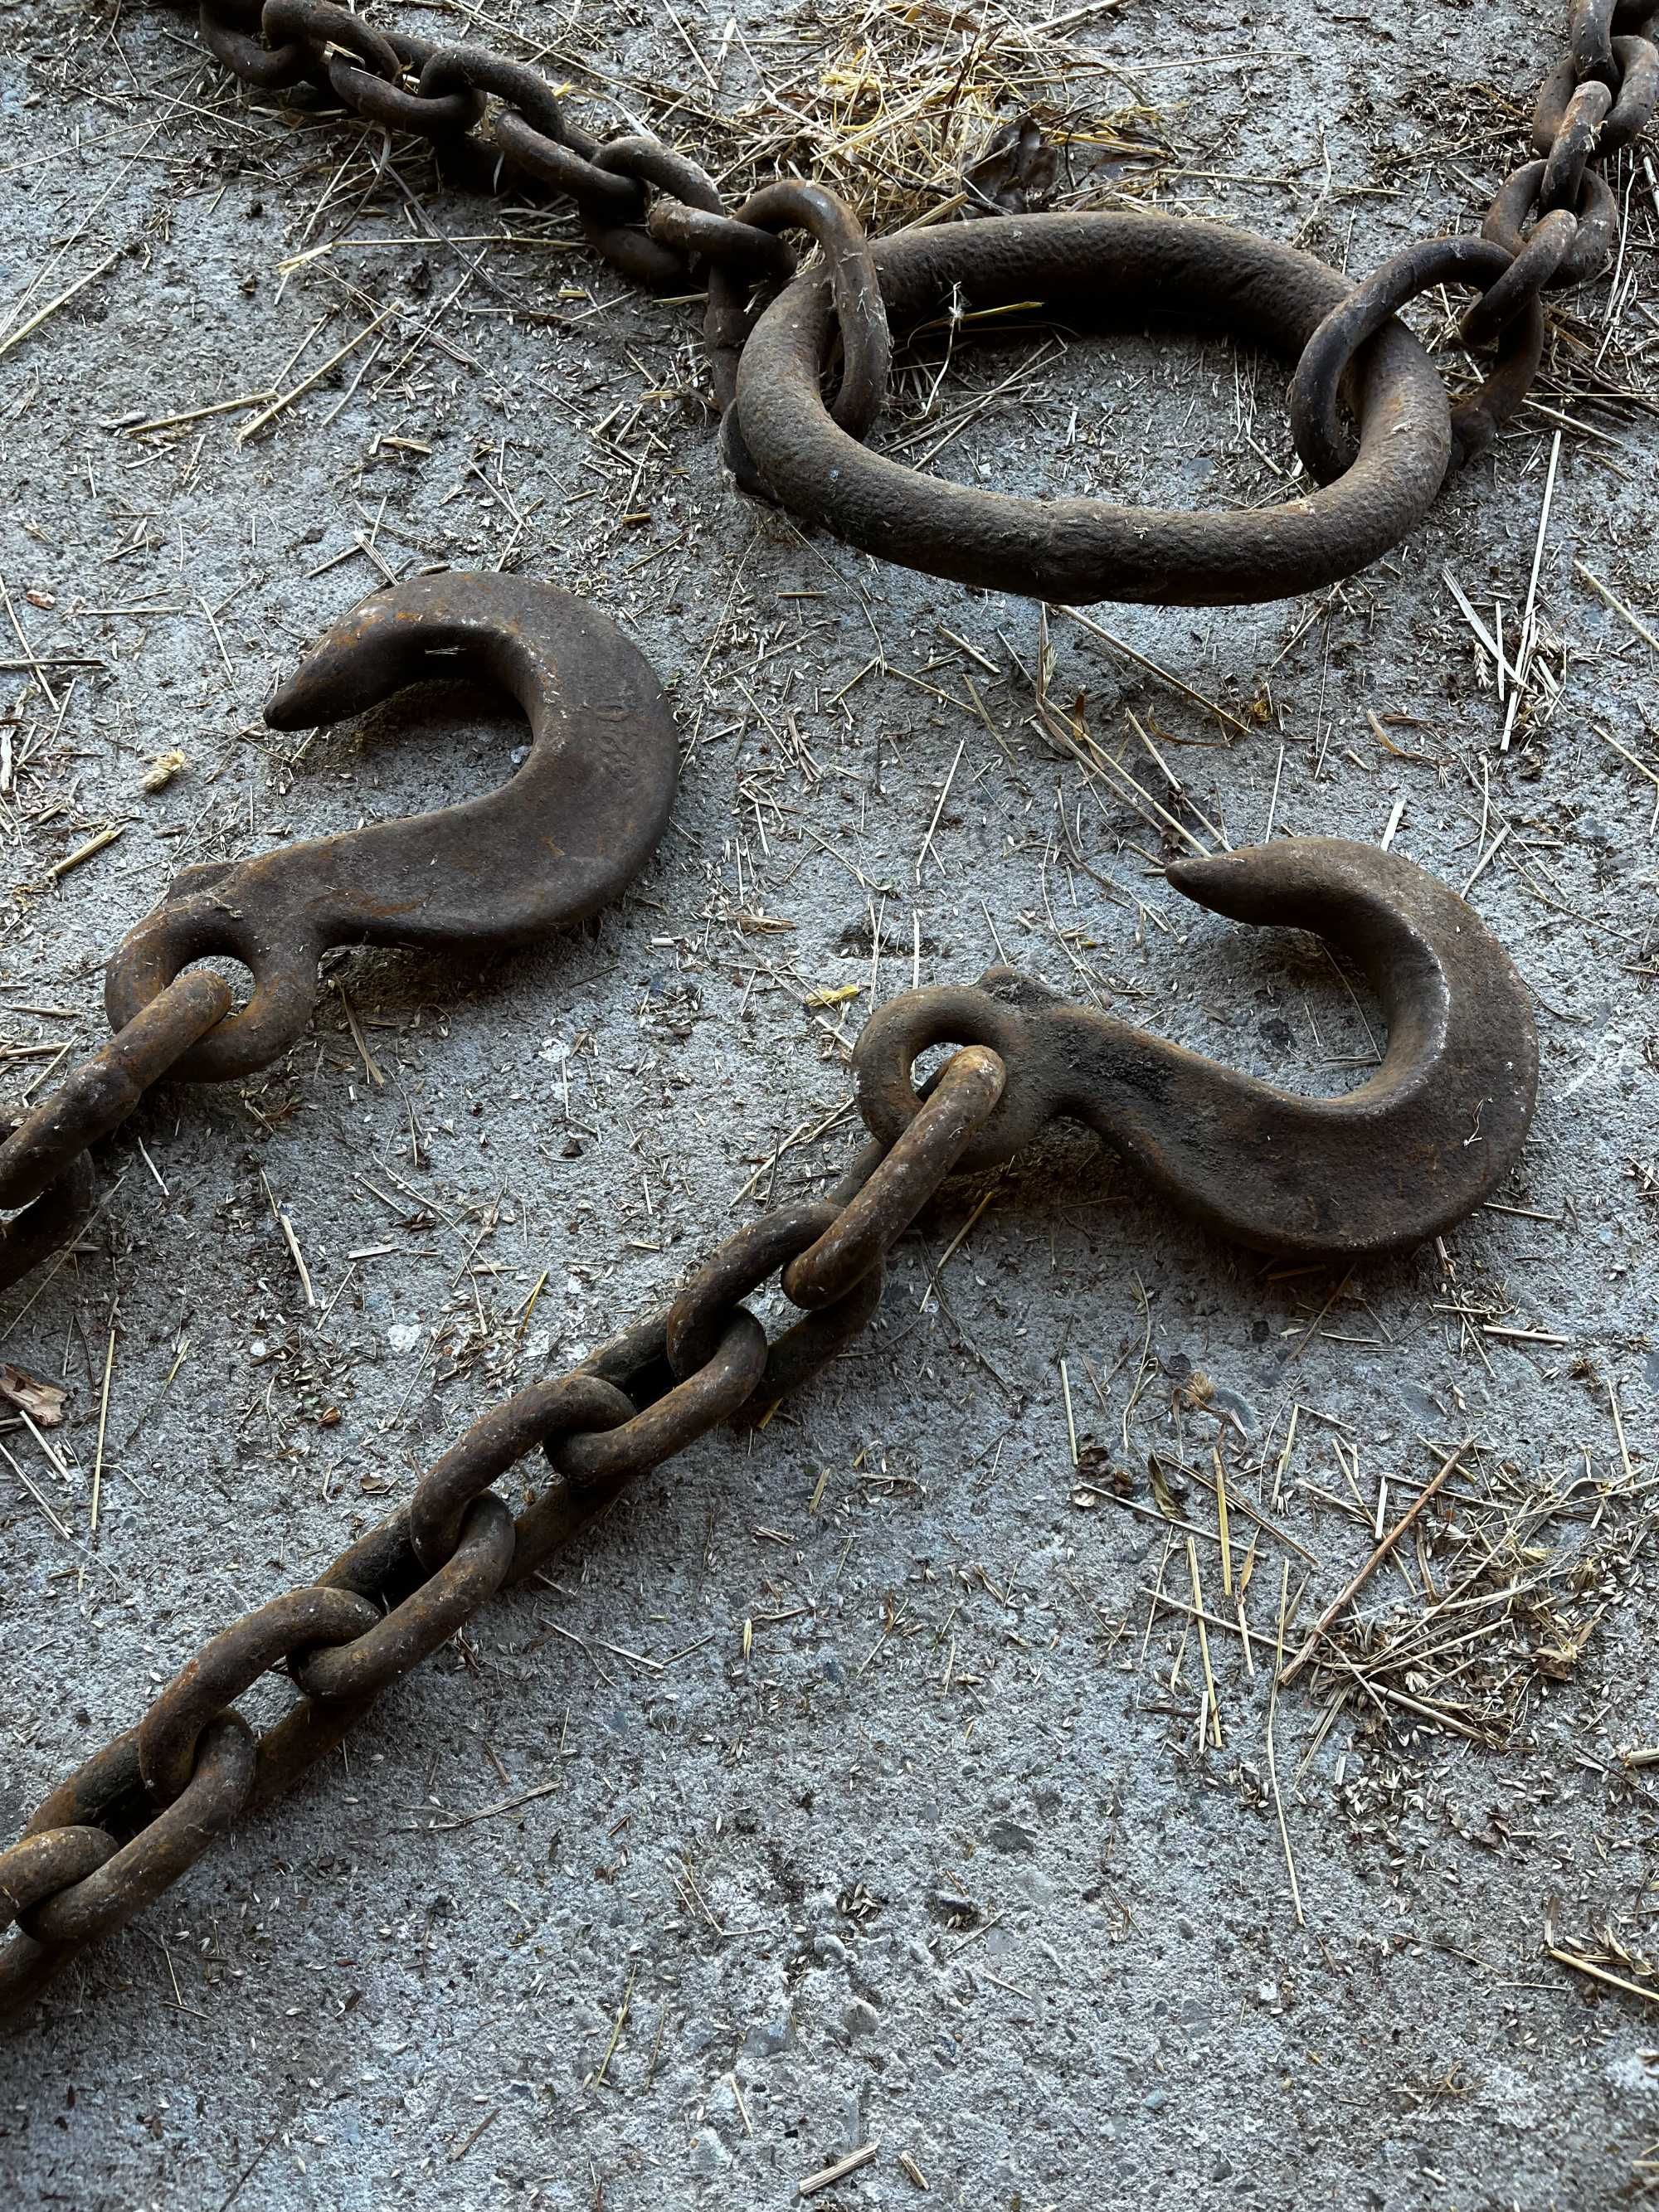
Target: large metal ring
<point>1127,268</point>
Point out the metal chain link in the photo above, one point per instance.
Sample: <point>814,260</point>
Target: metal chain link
<point>43,1157</point>
<point>139,1812</point>
<point>1604,90</point>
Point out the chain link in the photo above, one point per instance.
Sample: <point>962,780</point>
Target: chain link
<point>1600,95</point>
<point>43,1157</point>
<point>141,1811</point>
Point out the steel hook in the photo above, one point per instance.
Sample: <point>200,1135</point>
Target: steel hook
<point>1412,1150</point>
<point>576,823</point>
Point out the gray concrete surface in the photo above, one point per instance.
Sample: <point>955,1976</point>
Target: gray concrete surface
<point>845,1787</point>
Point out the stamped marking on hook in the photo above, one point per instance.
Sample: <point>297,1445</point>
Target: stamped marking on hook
<point>1412,1151</point>
<point>576,823</point>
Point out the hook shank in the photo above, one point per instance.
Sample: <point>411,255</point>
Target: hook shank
<point>576,823</point>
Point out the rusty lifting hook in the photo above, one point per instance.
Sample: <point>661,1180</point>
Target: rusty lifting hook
<point>577,822</point>
<point>1414,1149</point>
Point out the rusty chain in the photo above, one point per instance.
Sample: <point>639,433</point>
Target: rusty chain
<point>648,209</point>
<point>1389,1165</point>
<point>140,1812</point>
<point>1602,92</point>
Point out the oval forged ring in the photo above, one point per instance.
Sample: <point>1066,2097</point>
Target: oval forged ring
<point>867,1228</point>
<point>1370,308</point>
<point>1597,211</point>
<point>896,1037</point>
<point>696,1319</point>
<point>38,1867</point>
<point>232,35</point>
<point>1075,550</point>
<point>229,1663</point>
<point>427,1617</point>
<point>496,1441</point>
<point>1569,156</point>
<point>213,1795</point>
<point>705,1399</point>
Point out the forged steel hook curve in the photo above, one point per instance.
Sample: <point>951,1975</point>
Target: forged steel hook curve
<point>559,839</point>
<point>1412,1150</point>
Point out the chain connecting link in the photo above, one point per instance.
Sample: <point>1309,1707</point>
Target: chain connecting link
<point>140,1812</point>
<point>1553,224</point>
<point>43,1159</point>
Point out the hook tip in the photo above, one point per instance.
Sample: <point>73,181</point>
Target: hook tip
<point>289,708</point>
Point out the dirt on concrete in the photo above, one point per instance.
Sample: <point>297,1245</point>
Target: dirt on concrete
<point>866,1780</point>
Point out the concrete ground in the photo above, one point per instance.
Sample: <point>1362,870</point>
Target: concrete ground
<point>855,1784</point>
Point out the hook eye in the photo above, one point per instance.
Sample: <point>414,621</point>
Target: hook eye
<point>199,926</point>
<point>995,1014</point>
<point>576,823</point>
